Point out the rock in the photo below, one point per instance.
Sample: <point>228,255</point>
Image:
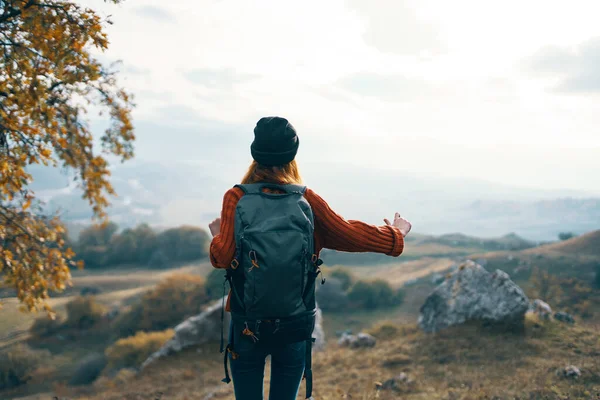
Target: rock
<point>88,369</point>
<point>362,340</point>
<point>206,327</point>
<point>437,278</point>
<point>397,383</point>
<point>541,309</point>
<point>342,333</point>
<point>564,317</point>
<point>319,333</point>
<point>571,371</point>
<point>472,293</point>
<point>199,329</point>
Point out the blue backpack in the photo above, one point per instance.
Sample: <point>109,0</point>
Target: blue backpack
<point>272,276</point>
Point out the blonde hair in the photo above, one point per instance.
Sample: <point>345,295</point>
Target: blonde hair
<point>283,174</point>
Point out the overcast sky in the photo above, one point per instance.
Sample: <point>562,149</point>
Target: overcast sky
<point>503,91</point>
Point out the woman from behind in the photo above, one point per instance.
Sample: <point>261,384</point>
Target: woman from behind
<point>268,239</point>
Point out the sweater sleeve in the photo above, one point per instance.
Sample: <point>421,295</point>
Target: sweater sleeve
<point>222,246</point>
<point>351,235</point>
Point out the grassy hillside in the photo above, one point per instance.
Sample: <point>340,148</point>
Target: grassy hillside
<point>586,245</point>
<point>465,362</point>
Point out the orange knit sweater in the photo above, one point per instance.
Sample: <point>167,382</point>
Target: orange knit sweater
<point>331,232</point>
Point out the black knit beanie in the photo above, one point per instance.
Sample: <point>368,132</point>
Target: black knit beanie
<point>275,142</point>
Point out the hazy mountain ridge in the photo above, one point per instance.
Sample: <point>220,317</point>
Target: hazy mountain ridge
<point>176,193</point>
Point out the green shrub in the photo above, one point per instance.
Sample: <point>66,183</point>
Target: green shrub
<point>173,300</point>
<point>375,294</point>
<point>185,243</point>
<point>385,330</point>
<point>344,276</point>
<point>214,284</point>
<point>18,363</point>
<point>332,296</point>
<point>45,326</point>
<point>134,350</point>
<point>84,312</point>
<point>566,235</point>
<point>88,369</point>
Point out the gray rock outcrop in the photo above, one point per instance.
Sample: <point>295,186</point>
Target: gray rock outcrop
<point>571,371</point>
<point>541,309</point>
<point>397,383</point>
<point>472,293</point>
<point>206,327</point>
<point>362,340</point>
<point>564,317</point>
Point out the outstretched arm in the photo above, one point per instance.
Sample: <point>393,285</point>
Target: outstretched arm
<point>351,235</point>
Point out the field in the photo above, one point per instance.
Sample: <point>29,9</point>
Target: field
<point>117,287</point>
<point>466,362</point>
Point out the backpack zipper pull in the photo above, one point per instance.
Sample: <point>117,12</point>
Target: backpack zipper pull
<point>253,259</point>
<point>248,332</point>
<point>258,328</point>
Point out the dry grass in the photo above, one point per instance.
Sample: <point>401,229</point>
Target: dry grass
<point>131,352</point>
<point>466,362</point>
<point>400,273</point>
<point>117,287</point>
<point>588,244</point>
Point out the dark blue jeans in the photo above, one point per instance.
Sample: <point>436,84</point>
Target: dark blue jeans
<point>248,369</point>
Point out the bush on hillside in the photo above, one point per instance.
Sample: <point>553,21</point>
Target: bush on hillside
<point>375,294</point>
<point>131,352</point>
<point>18,363</point>
<point>100,246</point>
<point>88,369</point>
<point>344,276</point>
<point>332,296</point>
<point>173,300</point>
<point>185,243</point>
<point>566,235</point>
<point>45,326</point>
<point>84,312</point>
<point>597,280</point>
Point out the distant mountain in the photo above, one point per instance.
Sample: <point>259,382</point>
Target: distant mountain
<point>175,193</point>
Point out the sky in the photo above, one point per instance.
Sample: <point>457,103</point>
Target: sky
<point>507,92</point>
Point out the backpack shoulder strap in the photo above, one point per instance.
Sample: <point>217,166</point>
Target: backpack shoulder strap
<point>256,188</point>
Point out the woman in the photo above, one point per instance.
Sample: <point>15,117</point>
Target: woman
<point>274,148</point>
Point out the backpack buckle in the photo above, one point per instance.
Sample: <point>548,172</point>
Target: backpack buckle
<point>234,263</point>
<point>314,258</point>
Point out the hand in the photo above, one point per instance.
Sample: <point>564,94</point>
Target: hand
<point>215,227</point>
<point>403,225</point>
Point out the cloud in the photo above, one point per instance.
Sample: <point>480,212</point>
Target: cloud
<point>394,88</point>
<point>575,67</point>
<point>396,28</point>
<point>218,78</point>
<point>155,13</point>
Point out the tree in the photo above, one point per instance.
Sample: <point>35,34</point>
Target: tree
<point>48,81</point>
<point>185,243</point>
<point>566,235</point>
